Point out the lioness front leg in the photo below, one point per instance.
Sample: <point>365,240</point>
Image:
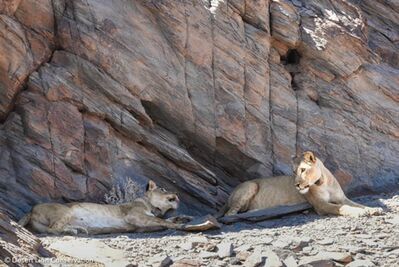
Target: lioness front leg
<point>339,209</point>
<point>367,210</point>
<point>150,223</point>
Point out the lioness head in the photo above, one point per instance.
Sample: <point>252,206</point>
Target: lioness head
<point>307,173</point>
<point>160,198</point>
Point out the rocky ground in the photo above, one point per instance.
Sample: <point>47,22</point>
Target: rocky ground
<point>294,240</point>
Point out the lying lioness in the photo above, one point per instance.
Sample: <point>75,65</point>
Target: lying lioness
<point>139,215</point>
<point>261,194</point>
<point>322,190</point>
<point>313,183</point>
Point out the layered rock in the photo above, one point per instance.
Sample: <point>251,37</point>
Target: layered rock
<point>197,95</point>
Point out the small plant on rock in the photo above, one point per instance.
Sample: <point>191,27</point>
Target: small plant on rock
<point>125,190</point>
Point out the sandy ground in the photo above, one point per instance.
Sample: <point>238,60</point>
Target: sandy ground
<point>300,239</point>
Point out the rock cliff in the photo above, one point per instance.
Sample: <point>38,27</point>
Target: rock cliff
<point>197,95</point>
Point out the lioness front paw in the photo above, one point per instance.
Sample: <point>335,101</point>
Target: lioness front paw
<point>182,219</point>
<point>353,212</point>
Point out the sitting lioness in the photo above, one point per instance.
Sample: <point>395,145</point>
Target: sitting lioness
<point>322,190</point>
<point>140,215</point>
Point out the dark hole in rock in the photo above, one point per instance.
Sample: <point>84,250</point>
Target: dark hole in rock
<point>291,58</point>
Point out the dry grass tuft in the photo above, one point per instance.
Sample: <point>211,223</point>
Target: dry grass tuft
<point>126,190</point>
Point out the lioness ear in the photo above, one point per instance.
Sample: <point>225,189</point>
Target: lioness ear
<point>151,185</point>
<point>309,156</point>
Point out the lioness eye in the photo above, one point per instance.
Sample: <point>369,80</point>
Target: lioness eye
<point>303,170</point>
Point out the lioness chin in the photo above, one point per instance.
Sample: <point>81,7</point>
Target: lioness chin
<point>140,215</point>
<point>322,190</point>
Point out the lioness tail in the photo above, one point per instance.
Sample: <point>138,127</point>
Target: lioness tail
<point>25,220</point>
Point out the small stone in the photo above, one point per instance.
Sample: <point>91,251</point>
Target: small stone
<point>360,263</point>
<point>198,239</point>
<point>290,262</point>
<point>281,243</point>
<point>394,220</point>
<point>340,257</point>
<point>255,258</point>
<point>186,263</point>
<point>207,254</point>
<point>225,250</point>
<point>234,261</point>
<point>244,247</point>
<point>160,260</point>
<point>187,245</point>
<point>326,241</point>
<point>243,255</point>
<point>267,240</point>
<point>272,260</point>
<point>316,263</point>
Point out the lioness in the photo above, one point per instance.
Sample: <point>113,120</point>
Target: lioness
<point>322,190</point>
<point>139,215</point>
<point>312,182</point>
<point>261,194</point>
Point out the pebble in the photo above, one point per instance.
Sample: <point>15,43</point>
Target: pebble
<point>207,254</point>
<point>290,262</point>
<point>281,243</point>
<point>360,263</point>
<point>326,241</point>
<point>160,261</point>
<point>394,220</point>
<point>272,260</point>
<point>186,263</point>
<point>225,250</point>
<point>187,245</point>
<point>255,258</point>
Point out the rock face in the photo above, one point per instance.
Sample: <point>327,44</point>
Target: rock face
<point>197,95</point>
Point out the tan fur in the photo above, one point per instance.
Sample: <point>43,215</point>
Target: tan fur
<point>90,218</point>
<point>322,190</point>
<point>261,194</point>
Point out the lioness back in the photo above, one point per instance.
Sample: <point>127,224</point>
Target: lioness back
<point>275,191</point>
<point>263,193</point>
